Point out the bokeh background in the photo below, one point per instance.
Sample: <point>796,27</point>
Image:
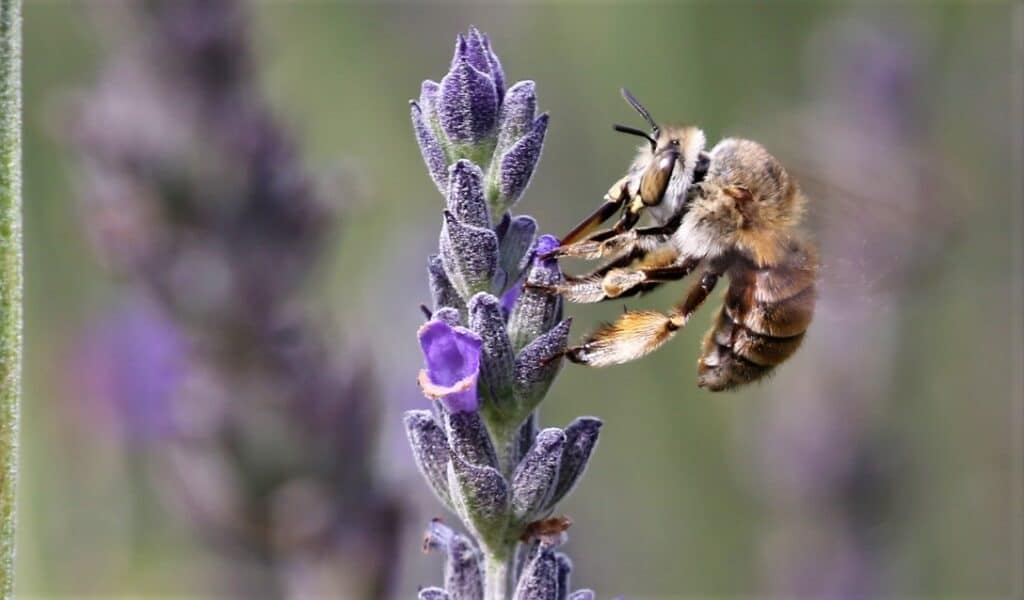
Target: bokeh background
<point>884,460</point>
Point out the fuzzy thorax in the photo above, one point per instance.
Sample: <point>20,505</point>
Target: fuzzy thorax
<point>747,203</point>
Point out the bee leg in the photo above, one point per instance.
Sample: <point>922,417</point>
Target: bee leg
<point>638,333</point>
<point>609,283</point>
<point>613,201</point>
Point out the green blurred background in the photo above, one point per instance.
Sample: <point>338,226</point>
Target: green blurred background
<point>680,500</point>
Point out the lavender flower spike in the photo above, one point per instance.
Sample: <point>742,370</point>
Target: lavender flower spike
<point>494,344</point>
<point>452,356</point>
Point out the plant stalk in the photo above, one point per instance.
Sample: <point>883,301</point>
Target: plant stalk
<point>10,280</point>
<point>496,575</point>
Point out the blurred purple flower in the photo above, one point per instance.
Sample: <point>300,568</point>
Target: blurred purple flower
<point>132,363</point>
<point>452,357</point>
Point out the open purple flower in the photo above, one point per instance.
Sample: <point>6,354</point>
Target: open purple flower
<point>452,358</point>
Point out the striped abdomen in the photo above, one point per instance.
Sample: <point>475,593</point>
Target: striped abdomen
<point>762,321</point>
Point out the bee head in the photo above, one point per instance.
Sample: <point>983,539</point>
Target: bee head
<point>666,167</point>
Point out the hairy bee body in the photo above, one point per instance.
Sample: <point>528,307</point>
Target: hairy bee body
<point>732,212</point>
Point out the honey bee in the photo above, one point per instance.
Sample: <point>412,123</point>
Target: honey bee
<point>733,211</point>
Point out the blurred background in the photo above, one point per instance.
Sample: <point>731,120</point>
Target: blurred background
<point>227,218</point>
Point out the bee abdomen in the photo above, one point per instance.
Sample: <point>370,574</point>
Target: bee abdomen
<point>750,337</point>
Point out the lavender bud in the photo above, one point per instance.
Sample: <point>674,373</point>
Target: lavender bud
<point>518,112</point>
<point>430,449</point>
<point>480,495</point>
<point>538,364</point>
<point>497,361</point>
<point>447,315</point>
<point>466,194</point>
<point>518,163</point>
<point>494,65</point>
<point>462,575</point>
<point>430,147</point>
<point>536,477</point>
<point>580,438</point>
<point>536,311</point>
<point>463,579</point>
<point>539,580</point>
<point>564,570</point>
<point>433,593</point>
<point>524,439</point>
<point>468,438</point>
<point>468,103</point>
<point>514,245</point>
<point>582,595</point>
<point>469,255</point>
<point>442,292</point>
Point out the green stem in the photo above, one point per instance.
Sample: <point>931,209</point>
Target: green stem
<point>10,280</point>
<point>496,573</point>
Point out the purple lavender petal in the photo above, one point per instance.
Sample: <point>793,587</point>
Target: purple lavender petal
<point>519,163</point>
<point>452,358</point>
<point>468,104</point>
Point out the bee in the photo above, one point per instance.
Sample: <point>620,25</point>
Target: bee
<point>734,212</point>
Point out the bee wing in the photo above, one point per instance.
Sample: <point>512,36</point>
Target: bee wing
<point>882,212</point>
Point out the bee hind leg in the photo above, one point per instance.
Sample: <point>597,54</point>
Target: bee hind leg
<point>638,333</point>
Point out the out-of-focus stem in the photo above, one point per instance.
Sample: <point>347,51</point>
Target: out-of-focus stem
<point>496,570</point>
<point>10,280</point>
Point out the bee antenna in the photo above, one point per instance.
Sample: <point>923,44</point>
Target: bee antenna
<point>640,109</point>
<point>637,132</point>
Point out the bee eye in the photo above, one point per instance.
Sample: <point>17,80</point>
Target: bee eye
<point>674,143</point>
<point>655,179</point>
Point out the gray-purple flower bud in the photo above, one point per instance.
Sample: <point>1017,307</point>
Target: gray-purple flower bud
<point>517,164</point>
<point>469,255</point>
<point>430,449</point>
<point>583,594</point>
<point>466,194</point>
<point>463,578</point>
<point>433,593</point>
<point>468,438</point>
<point>539,580</point>
<point>536,477</point>
<point>580,438</point>
<point>481,499</point>
<point>518,112</point>
<point>447,315</point>
<point>564,572</point>
<point>536,310</point>
<point>514,242</point>
<point>538,364</point>
<point>442,293</point>
<point>430,147</point>
<point>468,102</point>
<point>497,361</point>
